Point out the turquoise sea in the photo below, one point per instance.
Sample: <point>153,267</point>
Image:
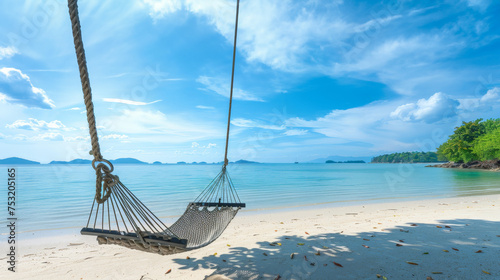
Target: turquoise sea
<point>60,196</point>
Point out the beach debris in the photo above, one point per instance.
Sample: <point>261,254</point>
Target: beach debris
<point>215,254</point>
<point>436,272</point>
<point>479,251</point>
<point>379,276</point>
<point>282,223</point>
<point>228,245</point>
<point>292,255</point>
<point>305,258</point>
<point>264,254</point>
<point>366,239</point>
<point>399,245</point>
<point>429,278</point>
<point>324,247</point>
<point>455,249</point>
<point>312,264</point>
<point>412,263</point>
<point>300,244</point>
<point>425,253</point>
<point>402,230</point>
<point>277,277</point>
<point>275,230</point>
<point>337,264</point>
<point>325,264</point>
<point>439,226</point>
<point>307,233</point>
<point>317,253</point>
<point>447,226</point>
<point>374,227</point>
<point>224,260</point>
<point>187,257</point>
<point>446,251</point>
<point>400,240</point>
<point>498,235</point>
<point>168,271</point>
<point>414,225</point>
<point>366,246</point>
<point>484,271</point>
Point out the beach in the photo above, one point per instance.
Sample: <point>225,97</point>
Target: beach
<point>446,238</point>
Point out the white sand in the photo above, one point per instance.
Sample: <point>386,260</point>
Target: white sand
<point>337,233</point>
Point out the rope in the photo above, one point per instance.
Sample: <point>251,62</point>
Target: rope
<point>104,179</point>
<point>232,82</point>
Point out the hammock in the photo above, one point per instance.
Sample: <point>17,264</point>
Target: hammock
<point>118,217</point>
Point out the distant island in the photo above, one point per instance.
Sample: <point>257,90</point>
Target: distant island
<point>473,145</point>
<point>75,161</point>
<point>127,161</point>
<point>409,157</point>
<point>339,159</point>
<point>16,160</point>
<point>347,161</point>
<point>245,161</point>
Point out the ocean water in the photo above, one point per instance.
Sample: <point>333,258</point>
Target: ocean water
<point>60,196</point>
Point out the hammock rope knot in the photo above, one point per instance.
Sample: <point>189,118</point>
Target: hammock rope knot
<point>104,182</point>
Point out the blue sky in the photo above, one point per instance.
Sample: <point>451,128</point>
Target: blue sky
<point>313,78</point>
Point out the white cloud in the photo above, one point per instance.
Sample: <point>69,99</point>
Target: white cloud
<point>34,124</point>
<point>50,136</point>
<point>222,88</point>
<point>491,95</point>
<point>128,102</point>
<point>478,4</point>
<point>439,106</point>
<point>197,145</point>
<point>6,52</point>
<point>155,126</point>
<point>279,34</point>
<point>205,107</point>
<point>254,124</point>
<point>295,132</point>
<point>74,109</point>
<point>159,9</point>
<point>115,136</point>
<point>17,88</point>
<point>76,138</point>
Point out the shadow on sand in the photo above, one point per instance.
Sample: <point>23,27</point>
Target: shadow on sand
<point>422,244</point>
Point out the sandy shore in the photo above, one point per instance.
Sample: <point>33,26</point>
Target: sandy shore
<point>453,238</point>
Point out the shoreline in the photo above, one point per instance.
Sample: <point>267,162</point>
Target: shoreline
<point>245,251</point>
<point>75,230</point>
<point>486,165</point>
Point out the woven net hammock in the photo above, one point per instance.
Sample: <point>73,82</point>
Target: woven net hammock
<point>118,217</point>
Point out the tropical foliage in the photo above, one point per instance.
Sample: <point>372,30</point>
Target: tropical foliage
<point>475,140</point>
<point>408,157</point>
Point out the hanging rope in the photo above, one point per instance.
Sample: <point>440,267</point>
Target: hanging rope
<point>232,82</point>
<point>120,218</point>
<point>104,179</point>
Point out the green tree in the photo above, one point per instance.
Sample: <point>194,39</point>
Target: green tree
<point>488,146</point>
<point>490,125</point>
<point>459,146</point>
